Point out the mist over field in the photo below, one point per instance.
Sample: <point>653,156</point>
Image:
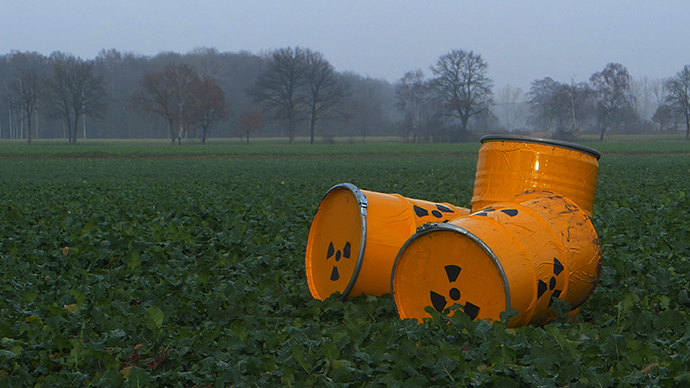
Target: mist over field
<point>359,70</point>
<point>296,92</point>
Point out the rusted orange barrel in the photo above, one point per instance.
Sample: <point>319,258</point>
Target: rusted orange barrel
<point>355,236</point>
<point>511,165</point>
<point>521,254</point>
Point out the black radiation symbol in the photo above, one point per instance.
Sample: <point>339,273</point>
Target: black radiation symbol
<point>438,212</point>
<point>543,287</point>
<point>485,212</point>
<point>439,301</point>
<point>338,255</point>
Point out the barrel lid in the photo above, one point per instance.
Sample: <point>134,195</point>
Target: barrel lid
<point>548,142</point>
<point>443,264</point>
<point>336,242</point>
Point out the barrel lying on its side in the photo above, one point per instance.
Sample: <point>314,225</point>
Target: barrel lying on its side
<point>521,254</point>
<point>356,234</point>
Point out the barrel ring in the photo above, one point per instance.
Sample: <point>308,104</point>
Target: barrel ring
<point>547,142</point>
<point>362,202</point>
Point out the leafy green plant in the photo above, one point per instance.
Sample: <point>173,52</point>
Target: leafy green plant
<point>189,272</point>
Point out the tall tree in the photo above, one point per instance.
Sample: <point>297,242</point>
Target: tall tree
<point>324,90</point>
<point>641,89</point>
<point>462,86</point>
<point>412,99</point>
<point>510,106</point>
<point>610,89</point>
<point>168,94</point>
<point>209,104</point>
<point>542,96</point>
<point>679,95</point>
<point>277,89</point>
<point>24,92</point>
<point>578,96</point>
<point>75,92</point>
<point>122,73</point>
<point>368,102</point>
<point>664,116</point>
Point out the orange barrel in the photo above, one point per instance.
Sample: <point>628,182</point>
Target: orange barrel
<point>519,254</point>
<point>512,165</point>
<point>356,234</point>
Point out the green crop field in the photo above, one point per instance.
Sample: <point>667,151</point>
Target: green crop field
<point>140,265</point>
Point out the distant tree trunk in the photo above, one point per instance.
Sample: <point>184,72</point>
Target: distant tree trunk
<point>171,127</point>
<point>75,130</point>
<point>28,133</point>
<point>463,128</point>
<point>291,126</point>
<point>312,122</point>
<point>605,126</point>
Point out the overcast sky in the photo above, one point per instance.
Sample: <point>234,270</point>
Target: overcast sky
<point>520,40</point>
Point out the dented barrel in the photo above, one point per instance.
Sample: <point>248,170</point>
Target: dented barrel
<point>521,254</point>
<point>356,234</point>
<point>511,165</point>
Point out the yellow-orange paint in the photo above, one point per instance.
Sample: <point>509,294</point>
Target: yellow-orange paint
<point>511,165</point>
<point>518,254</point>
<point>369,228</point>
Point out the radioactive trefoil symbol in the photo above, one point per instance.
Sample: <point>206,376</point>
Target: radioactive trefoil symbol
<point>439,301</point>
<point>543,287</point>
<point>485,212</point>
<point>438,212</point>
<point>345,253</point>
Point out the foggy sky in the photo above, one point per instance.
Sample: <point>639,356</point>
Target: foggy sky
<point>520,40</point>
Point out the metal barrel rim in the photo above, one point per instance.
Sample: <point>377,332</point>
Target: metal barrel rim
<point>547,142</point>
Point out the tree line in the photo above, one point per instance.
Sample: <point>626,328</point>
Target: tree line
<point>611,101</point>
<point>295,91</point>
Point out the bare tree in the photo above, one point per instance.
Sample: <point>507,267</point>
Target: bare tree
<point>542,102</point>
<point>679,95</point>
<point>658,88</point>
<point>462,86</point>
<point>368,105</point>
<point>610,89</point>
<point>250,121</point>
<point>75,93</point>
<point>24,91</point>
<point>168,94</point>
<point>665,116</point>
<point>412,99</point>
<point>643,96</point>
<point>277,89</point>
<point>510,106</point>
<point>324,89</point>
<point>577,97</point>
<point>209,104</point>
